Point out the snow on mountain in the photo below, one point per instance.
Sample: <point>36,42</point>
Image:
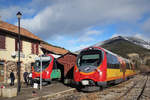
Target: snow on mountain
<point>137,41</point>
<point>134,40</point>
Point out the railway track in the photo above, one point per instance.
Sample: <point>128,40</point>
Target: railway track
<point>128,90</point>
<point>145,95</point>
<point>143,88</point>
<point>136,91</point>
<point>137,88</point>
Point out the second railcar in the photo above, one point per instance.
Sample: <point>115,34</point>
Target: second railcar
<point>49,69</point>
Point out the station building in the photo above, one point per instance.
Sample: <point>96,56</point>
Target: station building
<point>31,47</point>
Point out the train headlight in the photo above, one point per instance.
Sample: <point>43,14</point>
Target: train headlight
<point>47,72</point>
<point>76,70</point>
<point>99,71</point>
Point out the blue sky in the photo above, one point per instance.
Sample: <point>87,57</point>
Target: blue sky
<point>76,24</point>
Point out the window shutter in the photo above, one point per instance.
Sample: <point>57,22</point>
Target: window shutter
<point>2,42</point>
<point>37,48</point>
<point>32,48</point>
<point>16,44</point>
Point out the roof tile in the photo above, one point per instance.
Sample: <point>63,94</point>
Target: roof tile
<point>56,50</point>
<point>14,29</point>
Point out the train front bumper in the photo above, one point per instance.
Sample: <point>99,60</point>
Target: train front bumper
<point>38,79</point>
<point>91,83</point>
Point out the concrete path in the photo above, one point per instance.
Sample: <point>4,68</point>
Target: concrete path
<point>27,93</point>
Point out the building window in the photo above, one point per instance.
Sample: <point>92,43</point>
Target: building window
<point>2,41</point>
<point>17,45</point>
<point>35,48</point>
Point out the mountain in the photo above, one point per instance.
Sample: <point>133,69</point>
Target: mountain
<point>125,45</point>
<point>134,40</point>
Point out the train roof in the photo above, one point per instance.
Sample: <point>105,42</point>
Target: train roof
<point>44,58</point>
<point>115,54</point>
<point>109,52</point>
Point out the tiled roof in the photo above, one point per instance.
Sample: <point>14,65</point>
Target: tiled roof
<point>56,50</point>
<point>14,29</point>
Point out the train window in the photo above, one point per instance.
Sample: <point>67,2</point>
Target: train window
<point>37,65</point>
<point>90,60</point>
<point>55,64</point>
<point>94,56</point>
<point>109,58</point>
<point>45,64</point>
<point>90,57</point>
<point>112,61</point>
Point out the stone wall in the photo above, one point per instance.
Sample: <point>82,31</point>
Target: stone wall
<point>10,56</point>
<point>11,65</point>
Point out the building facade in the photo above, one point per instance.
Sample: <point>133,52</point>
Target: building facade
<point>29,47</point>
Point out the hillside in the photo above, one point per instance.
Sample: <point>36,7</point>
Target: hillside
<point>126,45</point>
<point>123,47</point>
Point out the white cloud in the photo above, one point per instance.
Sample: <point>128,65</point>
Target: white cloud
<point>93,32</point>
<point>10,12</point>
<point>72,17</point>
<point>88,35</point>
<point>142,36</point>
<point>61,19</point>
<point>146,25</point>
<point>76,48</point>
<point>85,39</point>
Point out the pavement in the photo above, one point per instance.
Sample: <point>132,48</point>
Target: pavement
<point>28,92</point>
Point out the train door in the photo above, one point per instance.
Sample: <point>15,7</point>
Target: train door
<point>1,71</point>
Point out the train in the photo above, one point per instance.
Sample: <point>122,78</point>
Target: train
<point>98,67</point>
<point>49,72</point>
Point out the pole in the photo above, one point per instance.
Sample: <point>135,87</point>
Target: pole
<point>19,85</point>
<point>41,73</point>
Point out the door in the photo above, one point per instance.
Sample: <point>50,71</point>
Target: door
<point>1,71</point>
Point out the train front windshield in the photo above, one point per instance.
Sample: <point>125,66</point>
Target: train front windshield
<point>92,57</point>
<point>37,65</point>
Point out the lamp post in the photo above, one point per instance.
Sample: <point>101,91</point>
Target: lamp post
<point>18,65</point>
<point>41,73</point>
